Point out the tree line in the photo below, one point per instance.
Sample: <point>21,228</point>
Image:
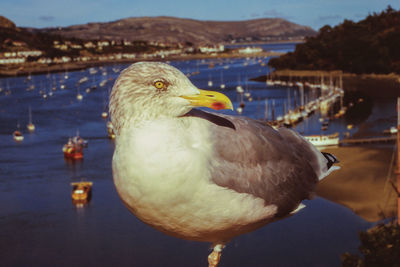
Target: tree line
<point>368,46</point>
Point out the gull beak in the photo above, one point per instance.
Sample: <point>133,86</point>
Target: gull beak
<point>210,99</point>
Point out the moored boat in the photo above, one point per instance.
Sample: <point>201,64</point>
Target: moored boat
<point>391,130</point>
<point>18,136</point>
<point>110,130</point>
<point>30,126</point>
<point>73,150</point>
<point>323,140</point>
<point>81,192</point>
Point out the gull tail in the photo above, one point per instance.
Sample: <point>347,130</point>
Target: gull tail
<point>330,160</point>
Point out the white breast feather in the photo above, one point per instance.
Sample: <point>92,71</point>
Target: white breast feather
<point>175,194</point>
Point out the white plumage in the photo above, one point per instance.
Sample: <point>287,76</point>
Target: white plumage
<point>197,175</point>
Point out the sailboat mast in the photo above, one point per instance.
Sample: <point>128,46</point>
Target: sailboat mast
<point>273,110</point>
<point>398,160</point>
<point>302,96</point>
<point>30,115</point>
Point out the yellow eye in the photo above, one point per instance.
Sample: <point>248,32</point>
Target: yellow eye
<point>159,84</point>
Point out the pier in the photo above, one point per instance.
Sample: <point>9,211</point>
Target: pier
<point>373,140</point>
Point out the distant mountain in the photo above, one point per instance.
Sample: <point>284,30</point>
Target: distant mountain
<point>177,30</point>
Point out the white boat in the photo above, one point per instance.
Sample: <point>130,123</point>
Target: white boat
<point>18,136</point>
<point>83,79</point>
<point>239,89</point>
<point>93,71</point>
<point>103,83</point>
<point>323,140</point>
<point>391,130</point>
<point>270,82</point>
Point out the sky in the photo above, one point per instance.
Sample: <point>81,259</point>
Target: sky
<point>313,13</point>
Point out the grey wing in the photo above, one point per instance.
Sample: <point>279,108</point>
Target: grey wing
<point>253,158</point>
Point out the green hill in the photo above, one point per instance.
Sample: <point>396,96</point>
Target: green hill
<point>368,46</point>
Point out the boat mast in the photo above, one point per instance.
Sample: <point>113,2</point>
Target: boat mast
<point>30,115</point>
<point>273,110</point>
<point>398,160</point>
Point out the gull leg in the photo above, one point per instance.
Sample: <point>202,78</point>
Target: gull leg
<point>213,258</point>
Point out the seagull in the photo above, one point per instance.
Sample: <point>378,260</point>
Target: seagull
<point>201,175</point>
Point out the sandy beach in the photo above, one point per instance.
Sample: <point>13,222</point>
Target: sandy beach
<point>362,184</point>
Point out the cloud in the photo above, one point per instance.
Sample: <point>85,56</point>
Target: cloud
<point>46,18</point>
<point>330,17</point>
<point>272,13</point>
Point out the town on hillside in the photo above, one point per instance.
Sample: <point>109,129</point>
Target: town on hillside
<point>25,50</point>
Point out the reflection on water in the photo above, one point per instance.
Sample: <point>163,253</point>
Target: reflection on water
<point>39,223</point>
<point>361,107</point>
<point>363,184</point>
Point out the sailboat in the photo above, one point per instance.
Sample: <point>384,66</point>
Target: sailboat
<point>66,76</point>
<point>241,106</point>
<point>247,92</point>
<point>17,135</point>
<point>30,125</point>
<point>222,86</point>
<point>110,130</point>
<point>79,96</point>
<point>104,114</point>
<point>210,83</point>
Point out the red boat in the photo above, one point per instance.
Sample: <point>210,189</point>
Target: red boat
<point>73,150</point>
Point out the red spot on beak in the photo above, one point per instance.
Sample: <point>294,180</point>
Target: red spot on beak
<point>217,106</point>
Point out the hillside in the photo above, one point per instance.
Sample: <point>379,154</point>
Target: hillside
<point>6,23</point>
<point>368,46</point>
<point>14,39</point>
<point>177,30</point>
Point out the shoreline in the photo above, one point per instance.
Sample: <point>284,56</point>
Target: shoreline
<point>371,84</point>
<point>35,68</point>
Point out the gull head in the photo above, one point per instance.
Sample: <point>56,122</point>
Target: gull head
<point>152,90</point>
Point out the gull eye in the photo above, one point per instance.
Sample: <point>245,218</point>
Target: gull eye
<point>159,84</point>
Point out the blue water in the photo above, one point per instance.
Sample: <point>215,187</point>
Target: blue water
<point>40,226</point>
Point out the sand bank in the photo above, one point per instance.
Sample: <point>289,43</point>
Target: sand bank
<point>362,183</point>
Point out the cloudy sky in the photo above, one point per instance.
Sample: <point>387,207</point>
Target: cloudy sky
<point>314,13</point>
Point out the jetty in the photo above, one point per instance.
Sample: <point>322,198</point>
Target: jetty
<point>368,140</point>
